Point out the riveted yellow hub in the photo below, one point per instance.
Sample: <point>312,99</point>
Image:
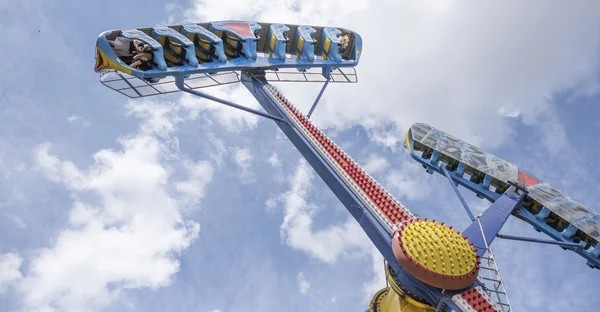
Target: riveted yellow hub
<point>436,254</point>
<point>438,248</point>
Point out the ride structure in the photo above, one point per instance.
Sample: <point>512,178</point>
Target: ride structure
<point>430,266</point>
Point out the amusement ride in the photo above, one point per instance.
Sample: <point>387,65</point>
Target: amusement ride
<point>430,265</point>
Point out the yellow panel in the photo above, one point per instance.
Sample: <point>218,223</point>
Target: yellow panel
<point>205,46</point>
<point>393,299</point>
<point>273,40</point>
<point>169,57</point>
<point>232,42</point>
<point>103,62</point>
<point>387,300</point>
<point>299,45</point>
<point>228,51</point>
<point>201,55</point>
<point>175,48</point>
<point>326,45</point>
<point>407,141</point>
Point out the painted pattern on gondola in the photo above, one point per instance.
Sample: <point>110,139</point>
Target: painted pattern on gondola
<point>465,152</point>
<point>587,220</point>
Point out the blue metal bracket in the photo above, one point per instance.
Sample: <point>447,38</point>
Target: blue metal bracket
<point>486,226</point>
<point>179,82</point>
<point>462,200</point>
<point>318,97</point>
<point>540,241</point>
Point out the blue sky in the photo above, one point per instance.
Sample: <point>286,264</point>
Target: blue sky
<point>175,203</point>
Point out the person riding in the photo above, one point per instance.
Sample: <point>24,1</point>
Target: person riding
<point>142,60</point>
<point>344,41</point>
<point>133,52</point>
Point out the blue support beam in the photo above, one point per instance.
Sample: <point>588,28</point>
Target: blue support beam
<point>312,108</point>
<point>485,228</point>
<point>462,200</point>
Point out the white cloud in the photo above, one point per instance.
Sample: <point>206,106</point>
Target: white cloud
<point>84,123</point>
<point>409,180</point>
<point>55,170</point>
<point>128,230</point>
<point>287,11</point>
<point>297,231</point>
<point>303,284</point>
<point>271,203</point>
<point>274,160</point>
<point>378,282</point>
<point>158,117</point>
<point>10,264</point>
<point>388,135</point>
<point>3,170</point>
<point>199,175</point>
<point>512,113</point>
<point>376,164</point>
<point>230,118</point>
<point>16,220</point>
<point>242,158</point>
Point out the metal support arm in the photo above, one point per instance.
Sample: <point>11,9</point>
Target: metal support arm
<point>536,240</point>
<point>462,200</point>
<point>312,108</point>
<point>179,81</point>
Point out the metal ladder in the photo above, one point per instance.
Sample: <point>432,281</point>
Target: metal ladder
<point>489,275</point>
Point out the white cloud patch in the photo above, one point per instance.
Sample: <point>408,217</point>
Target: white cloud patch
<point>510,113</point>
<point>82,122</point>
<point>303,284</point>
<point>4,172</point>
<point>230,118</point>
<point>158,117</point>
<point>271,203</point>
<point>376,164</point>
<point>297,231</point>
<point>409,180</point>
<point>378,282</point>
<point>128,230</point>
<point>10,264</point>
<point>242,158</point>
<point>16,220</point>
<point>274,160</point>
<point>199,175</point>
